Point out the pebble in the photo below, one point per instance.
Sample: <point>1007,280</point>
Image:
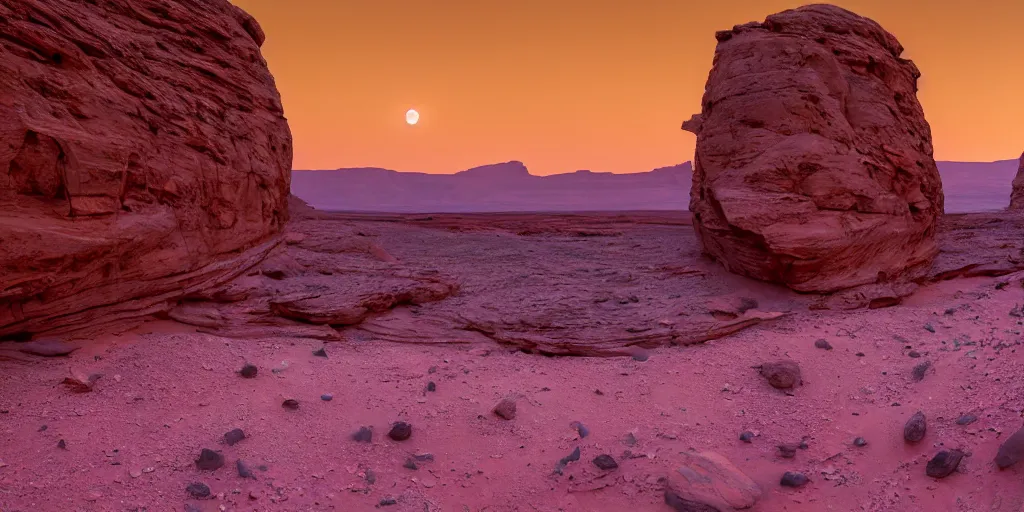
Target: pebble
<point>424,457</point>
<point>62,445</point>
<point>410,464</point>
<point>914,354</point>
<point>506,409</point>
<point>787,451</point>
<point>915,428</point>
<point>605,462</point>
<point>248,371</point>
<point>209,460</point>
<point>363,435</point>
<point>431,387</point>
<point>920,370</point>
<point>794,479</point>
<point>582,430</point>
<point>966,419</point>
<point>243,469</point>
<point>629,440</point>
<point>234,436</point>
<point>320,353</point>
<point>290,403</point>
<point>860,442</point>
<point>400,431</point>
<point>1011,450</point>
<point>944,463</point>
<point>388,501</point>
<point>782,374</point>
<point>192,508</point>
<point>326,397</point>
<point>747,437</point>
<point>823,344</point>
<point>572,457</point>
<point>135,473</point>
<point>198,490</point>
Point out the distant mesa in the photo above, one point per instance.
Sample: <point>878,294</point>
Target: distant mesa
<point>1017,194</point>
<point>969,187</point>
<point>814,165</point>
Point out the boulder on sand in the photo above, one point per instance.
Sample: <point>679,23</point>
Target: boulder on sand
<point>814,164</point>
<point>146,153</point>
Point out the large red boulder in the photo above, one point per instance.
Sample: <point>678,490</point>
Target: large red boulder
<point>814,163</point>
<point>146,153</point>
<point>1017,195</point>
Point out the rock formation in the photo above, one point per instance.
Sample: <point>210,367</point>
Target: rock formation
<point>814,163</point>
<point>1017,195</point>
<point>146,152</point>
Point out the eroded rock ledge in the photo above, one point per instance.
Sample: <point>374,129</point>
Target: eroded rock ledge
<point>146,157</point>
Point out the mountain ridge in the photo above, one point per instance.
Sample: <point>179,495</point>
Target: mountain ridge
<point>509,187</point>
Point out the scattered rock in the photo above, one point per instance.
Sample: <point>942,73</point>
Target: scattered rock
<point>782,374</point>
<point>787,451</point>
<point>929,328</point>
<point>400,431</point>
<point>322,352</point>
<point>431,387</point>
<point>326,397</point>
<point>424,457</point>
<point>388,501</point>
<point>209,460</point>
<point>370,477</point>
<point>794,479</point>
<point>198,490</point>
<point>248,371</point>
<point>243,469</point>
<point>580,429</point>
<point>605,462</point>
<point>630,440</point>
<point>572,457</point>
<point>363,435</point>
<point>915,428</point>
<point>192,508</point>
<point>1011,450</point>
<point>823,344</point>
<point>708,482</point>
<point>747,437</point>
<point>966,419</point>
<point>860,442</point>
<point>234,436</point>
<point>506,409</point>
<point>78,383</point>
<point>919,371</point>
<point>944,463</point>
<point>680,504</point>
<point>62,445</point>
<point>290,403</point>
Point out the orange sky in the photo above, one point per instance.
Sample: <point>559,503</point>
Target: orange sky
<point>587,84</point>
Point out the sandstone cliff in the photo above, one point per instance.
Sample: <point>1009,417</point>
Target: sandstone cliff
<point>146,152</point>
<point>1017,194</point>
<point>814,163</point>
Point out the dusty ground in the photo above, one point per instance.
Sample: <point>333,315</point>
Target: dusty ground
<point>167,391</point>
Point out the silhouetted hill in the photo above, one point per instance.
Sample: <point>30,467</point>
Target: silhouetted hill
<point>509,187</point>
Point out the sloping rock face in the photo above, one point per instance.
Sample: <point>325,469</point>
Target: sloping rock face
<point>144,156</point>
<point>1017,195</point>
<point>814,163</point>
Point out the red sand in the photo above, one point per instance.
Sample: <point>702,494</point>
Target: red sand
<point>167,392</point>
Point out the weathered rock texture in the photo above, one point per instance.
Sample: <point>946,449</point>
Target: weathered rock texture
<point>145,157</point>
<point>1017,195</point>
<point>814,161</point>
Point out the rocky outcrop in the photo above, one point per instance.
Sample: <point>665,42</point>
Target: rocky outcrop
<point>1017,195</point>
<point>146,153</point>
<point>814,163</point>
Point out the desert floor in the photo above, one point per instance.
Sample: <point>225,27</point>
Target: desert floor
<point>168,391</point>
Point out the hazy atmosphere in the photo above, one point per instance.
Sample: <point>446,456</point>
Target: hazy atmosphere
<point>576,84</point>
